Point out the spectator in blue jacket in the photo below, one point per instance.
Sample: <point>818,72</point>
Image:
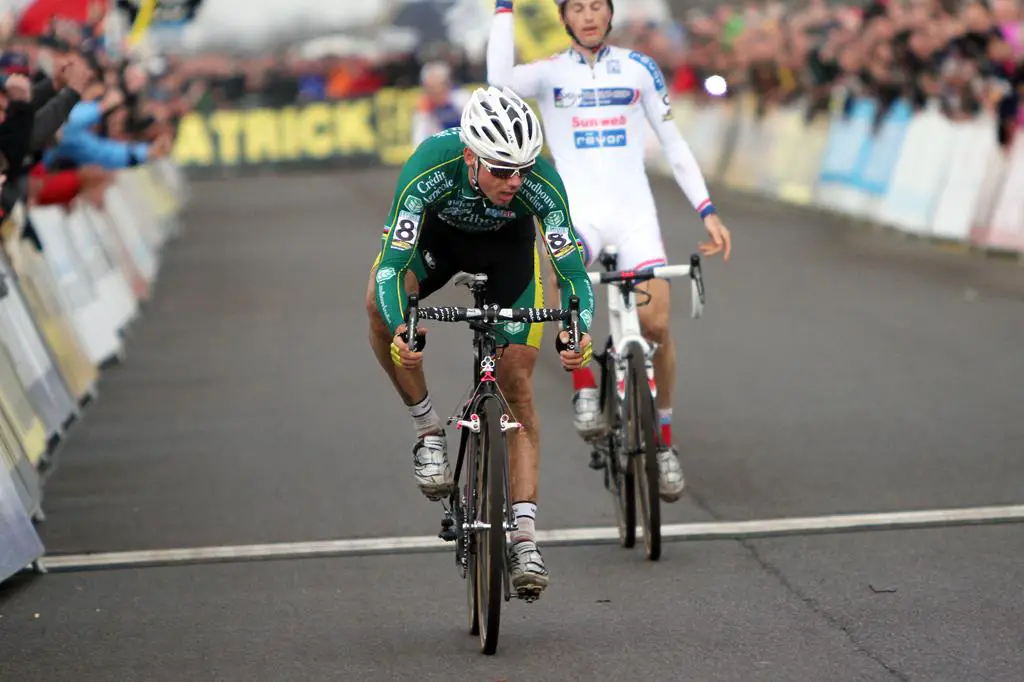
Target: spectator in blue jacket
<point>82,140</point>
<point>80,144</point>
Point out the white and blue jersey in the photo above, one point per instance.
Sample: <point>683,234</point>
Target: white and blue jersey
<point>595,118</point>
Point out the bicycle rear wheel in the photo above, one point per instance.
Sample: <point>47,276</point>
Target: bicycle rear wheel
<point>618,472</point>
<point>642,434</point>
<point>491,546</point>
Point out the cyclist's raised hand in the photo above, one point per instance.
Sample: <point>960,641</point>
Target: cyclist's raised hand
<point>573,359</point>
<point>401,355</point>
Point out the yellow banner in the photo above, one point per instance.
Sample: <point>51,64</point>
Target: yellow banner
<point>370,128</point>
<point>539,30</point>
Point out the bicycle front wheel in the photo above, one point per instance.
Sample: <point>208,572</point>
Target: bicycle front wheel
<point>642,433</point>
<point>491,546</point>
<point>466,510</point>
<point>617,469</point>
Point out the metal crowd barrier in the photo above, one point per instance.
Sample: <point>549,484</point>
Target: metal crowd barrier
<point>916,172</point>
<point>63,316</point>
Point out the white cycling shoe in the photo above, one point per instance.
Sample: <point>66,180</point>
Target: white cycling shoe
<point>526,570</point>
<point>590,424</point>
<point>670,475</point>
<point>587,416</point>
<point>430,459</point>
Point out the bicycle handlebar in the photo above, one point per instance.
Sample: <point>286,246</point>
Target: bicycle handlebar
<point>657,272</point>
<point>492,314</point>
<point>693,270</point>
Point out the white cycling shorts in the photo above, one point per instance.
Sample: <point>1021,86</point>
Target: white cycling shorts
<point>637,238</point>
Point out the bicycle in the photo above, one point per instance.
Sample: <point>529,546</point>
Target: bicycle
<point>478,514</point>
<point>628,451</point>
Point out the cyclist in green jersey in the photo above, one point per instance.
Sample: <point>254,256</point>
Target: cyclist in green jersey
<point>467,200</point>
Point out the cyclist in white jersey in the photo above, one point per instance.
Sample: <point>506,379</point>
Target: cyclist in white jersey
<point>594,99</point>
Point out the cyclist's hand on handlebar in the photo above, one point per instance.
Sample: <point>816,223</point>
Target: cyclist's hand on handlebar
<point>400,353</point>
<point>720,238</point>
<point>573,359</point>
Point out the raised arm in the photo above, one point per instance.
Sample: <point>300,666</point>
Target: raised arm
<point>526,80</point>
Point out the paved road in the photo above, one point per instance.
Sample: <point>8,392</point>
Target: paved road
<point>836,370</point>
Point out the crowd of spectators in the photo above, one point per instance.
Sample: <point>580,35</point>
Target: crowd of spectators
<point>284,78</point>
<point>964,58</point>
<point>71,116</point>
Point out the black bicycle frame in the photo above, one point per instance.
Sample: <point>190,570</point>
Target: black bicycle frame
<point>485,381</point>
<point>485,362</point>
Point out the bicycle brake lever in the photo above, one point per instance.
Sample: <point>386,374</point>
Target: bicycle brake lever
<point>421,340</point>
<point>412,319</point>
<point>574,329</point>
<point>697,275</point>
<point>574,322</point>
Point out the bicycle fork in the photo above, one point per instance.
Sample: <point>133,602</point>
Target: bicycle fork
<point>618,364</point>
<point>450,531</point>
<point>621,365</point>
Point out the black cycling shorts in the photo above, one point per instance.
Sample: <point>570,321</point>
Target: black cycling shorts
<point>508,256</point>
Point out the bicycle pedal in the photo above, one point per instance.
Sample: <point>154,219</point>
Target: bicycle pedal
<point>597,461</point>
<point>447,532</point>
<point>529,595</point>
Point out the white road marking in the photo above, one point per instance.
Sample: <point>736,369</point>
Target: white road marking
<point>718,530</point>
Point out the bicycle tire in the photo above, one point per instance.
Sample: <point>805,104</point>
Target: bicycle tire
<point>620,475</point>
<point>643,446</point>
<point>491,493</point>
<point>468,506</point>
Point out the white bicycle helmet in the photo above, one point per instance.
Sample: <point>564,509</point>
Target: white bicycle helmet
<point>500,127</point>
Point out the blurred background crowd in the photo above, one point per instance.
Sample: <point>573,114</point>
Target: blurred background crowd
<point>76,107</point>
<point>965,57</point>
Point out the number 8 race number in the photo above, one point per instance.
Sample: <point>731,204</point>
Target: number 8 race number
<point>406,231</point>
<point>557,240</point>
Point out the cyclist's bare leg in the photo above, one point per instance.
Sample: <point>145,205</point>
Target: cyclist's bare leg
<point>654,325</point>
<point>430,457</point>
<point>515,375</point>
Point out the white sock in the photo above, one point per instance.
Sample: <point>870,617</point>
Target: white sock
<point>424,417</point>
<point>526,516</point>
